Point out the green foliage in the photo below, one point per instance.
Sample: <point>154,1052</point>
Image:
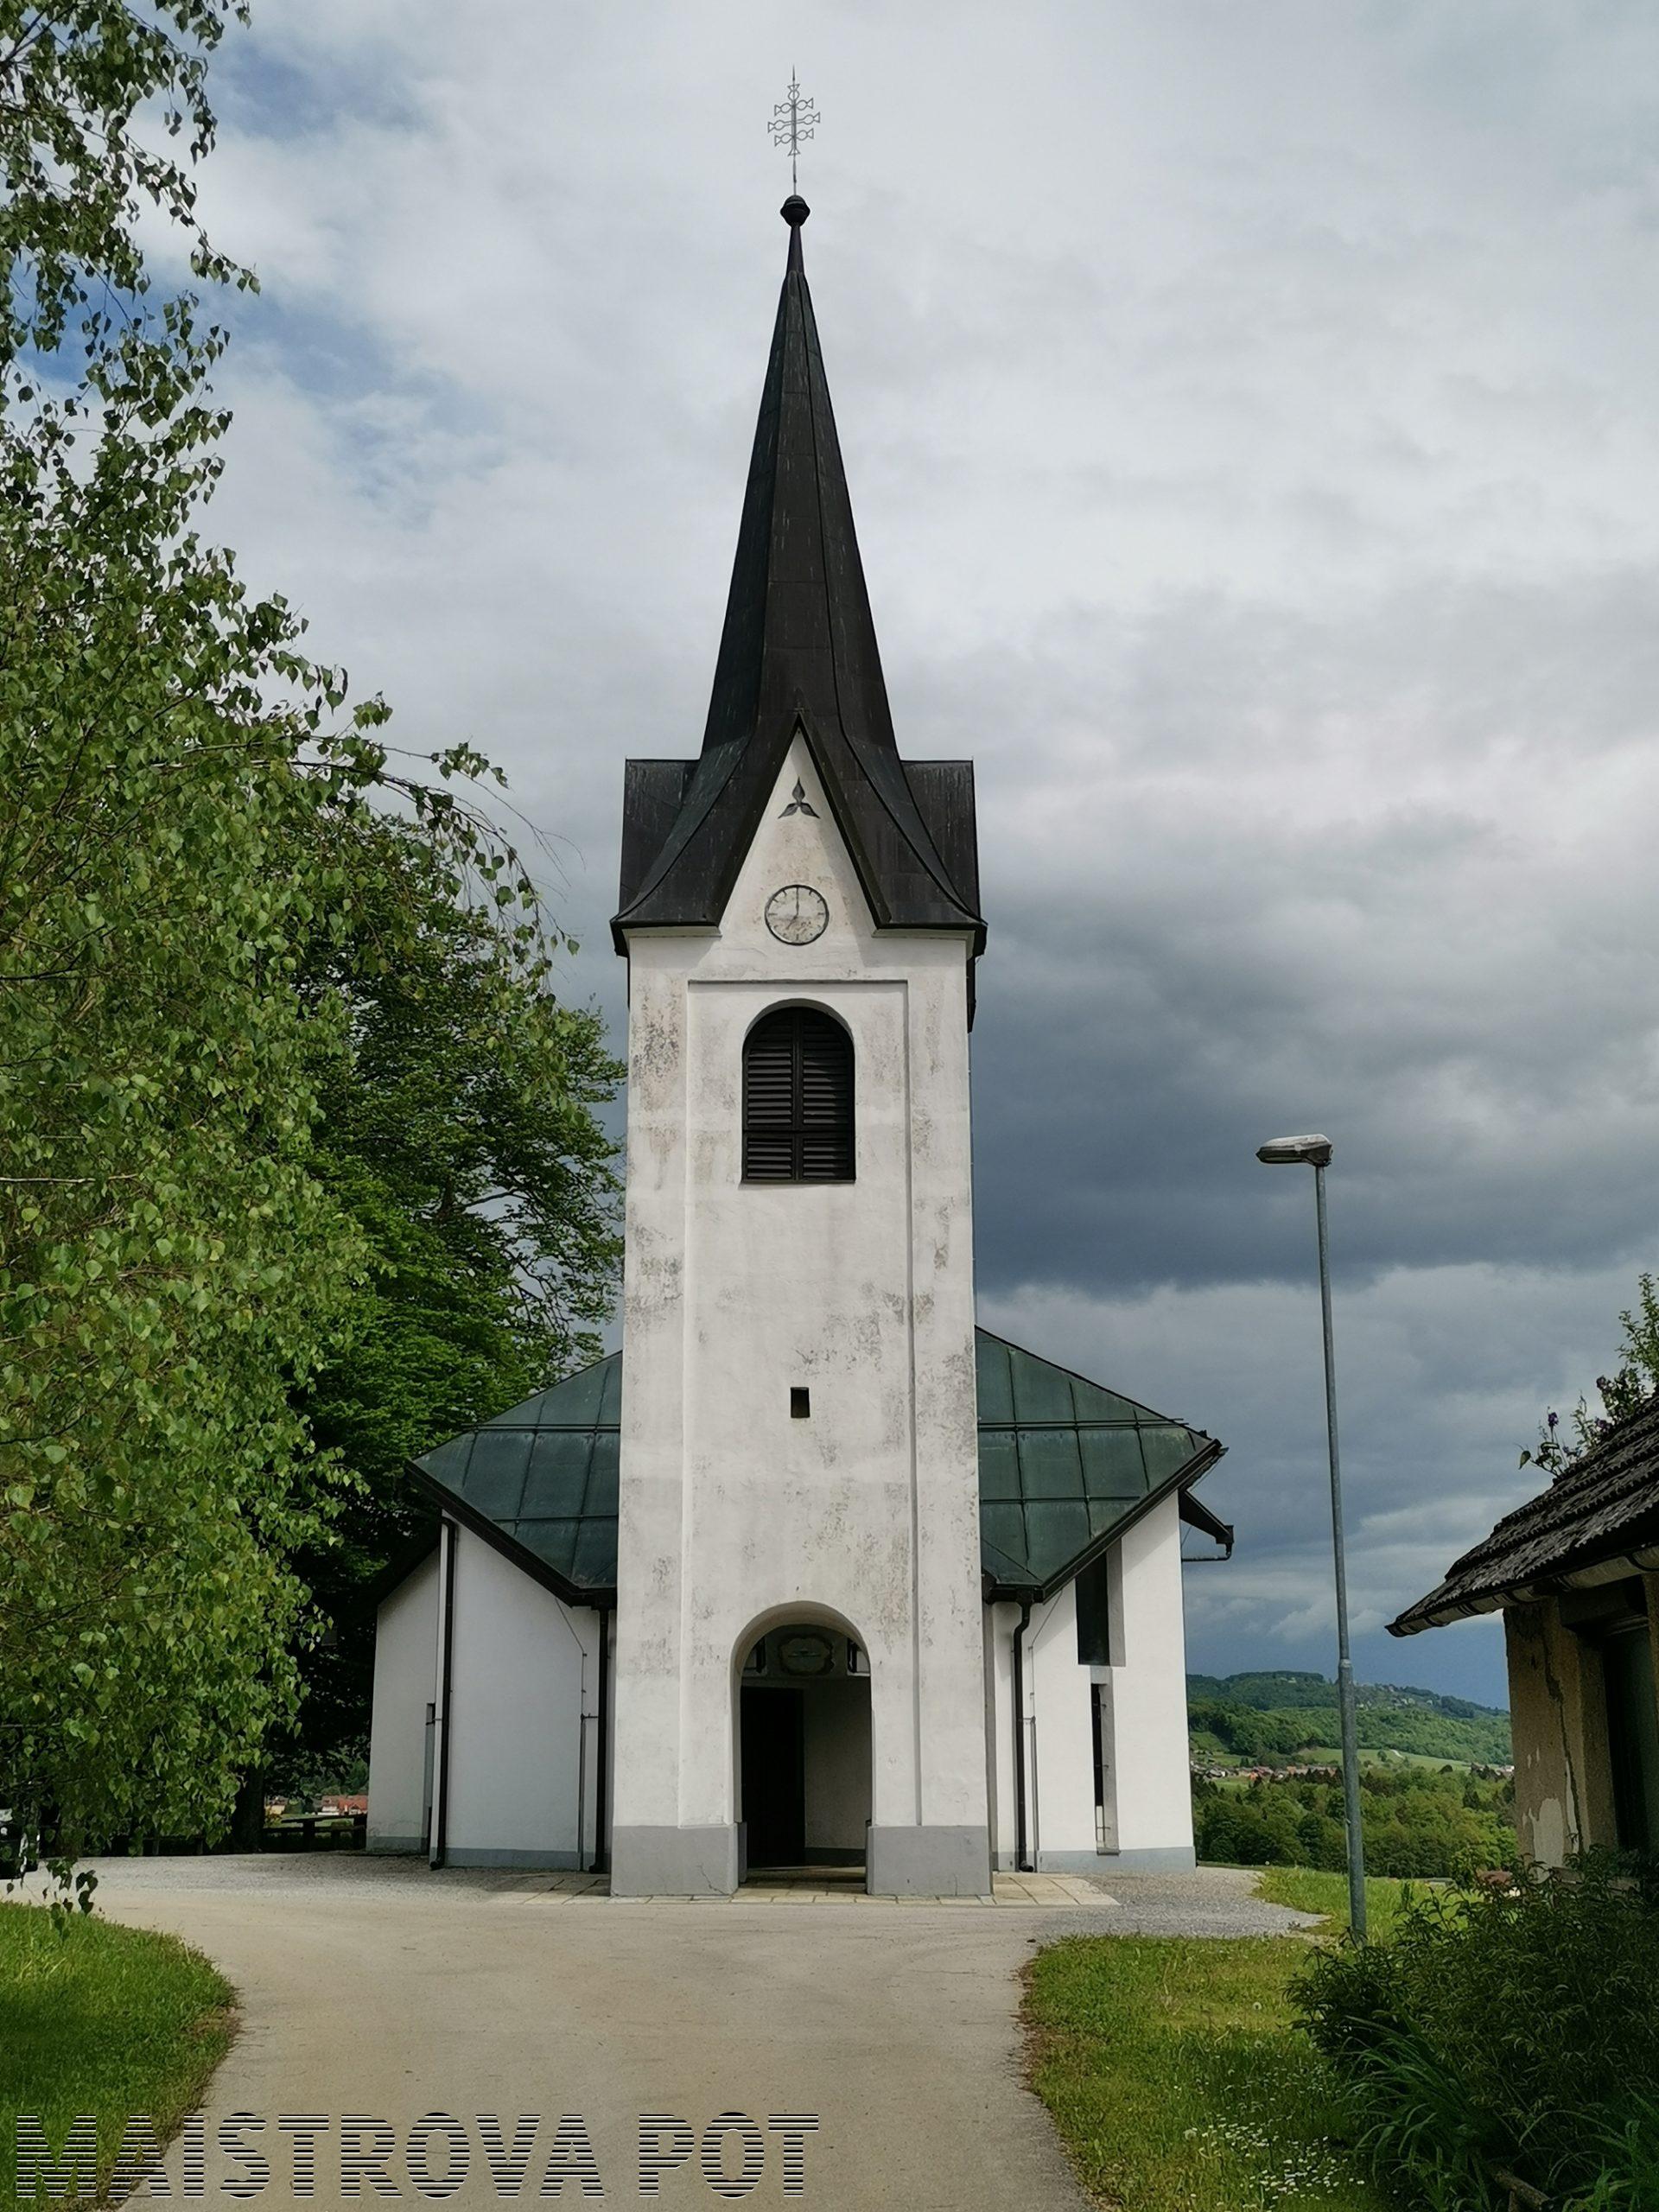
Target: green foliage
<point>457,1132</point>
<point>1421,1823</point>
<point>1258,1738</point>
<point>101,2019</point>
<point>1276,1689</point>
<point>1503,2030</point>
<point>167,1263</point>
<point>210,877</point>
<point>304,1777</point>
<point>1633,1379</point>
<point>86,86</point>
<point>1262,1719</point>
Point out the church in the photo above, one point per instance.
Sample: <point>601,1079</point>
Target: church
<point>814,1571</point>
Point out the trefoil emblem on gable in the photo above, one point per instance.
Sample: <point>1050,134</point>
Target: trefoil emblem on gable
<point>798,802</point>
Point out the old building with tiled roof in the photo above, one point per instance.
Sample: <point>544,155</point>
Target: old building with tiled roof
<point>1576,1574</point>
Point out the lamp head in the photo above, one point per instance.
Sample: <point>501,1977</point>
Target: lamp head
<point>1296,1151</point>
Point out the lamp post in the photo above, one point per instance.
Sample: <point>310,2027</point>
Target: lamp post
<point>1314,1152</point>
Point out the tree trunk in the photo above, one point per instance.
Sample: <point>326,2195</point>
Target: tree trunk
<point>248,1817</point>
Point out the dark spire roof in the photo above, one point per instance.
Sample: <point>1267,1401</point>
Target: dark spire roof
<point>798,651</point>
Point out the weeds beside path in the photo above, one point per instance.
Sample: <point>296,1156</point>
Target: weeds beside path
<point>101,2019</point>
<point>1170,2067</point>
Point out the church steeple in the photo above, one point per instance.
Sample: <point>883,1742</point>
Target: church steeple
<point>798,651</point>
<point>798,616</point>
<point>798,1424</point>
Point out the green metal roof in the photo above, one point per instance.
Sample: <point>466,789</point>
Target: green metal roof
<point>1065,1467</point>
<point>544,1476</point>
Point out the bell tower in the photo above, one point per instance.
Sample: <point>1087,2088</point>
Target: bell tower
<point>798,1516</point>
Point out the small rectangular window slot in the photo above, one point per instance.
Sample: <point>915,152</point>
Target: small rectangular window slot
<point>800,1404</point>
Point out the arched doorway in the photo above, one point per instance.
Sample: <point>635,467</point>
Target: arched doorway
<point>804,1749</point>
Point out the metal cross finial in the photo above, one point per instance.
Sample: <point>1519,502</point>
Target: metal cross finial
<point>793,120</point>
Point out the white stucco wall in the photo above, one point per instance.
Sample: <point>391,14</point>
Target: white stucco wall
<point>1154,1789</point>
<point>1060,1747</point>
<point>866,1515</point>
<point>521,1735</point>
<point>405,1683</point>
<point>1061,1733</point>
<point>1148,1791</point>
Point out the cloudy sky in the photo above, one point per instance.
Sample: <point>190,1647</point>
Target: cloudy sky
<point>1252,415</point>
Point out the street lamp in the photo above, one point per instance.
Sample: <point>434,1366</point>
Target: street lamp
<point>1314,1152</point>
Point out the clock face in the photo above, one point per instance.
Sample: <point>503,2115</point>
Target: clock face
<point>796,914</point>
<point>807,1653</point>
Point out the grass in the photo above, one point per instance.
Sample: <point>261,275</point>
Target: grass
<point>1327,1894</point>
<point>101,2019</point>
<point>1330,1755</point>
<point>1171,2068</point>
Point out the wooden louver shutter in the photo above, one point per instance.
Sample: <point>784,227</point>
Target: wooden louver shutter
<point>797,1099</point>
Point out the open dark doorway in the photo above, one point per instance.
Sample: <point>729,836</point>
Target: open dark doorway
<point>774,1776</point>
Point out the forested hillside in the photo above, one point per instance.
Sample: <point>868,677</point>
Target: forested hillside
<point>1419,1821</point>
<point>1270,1719</point>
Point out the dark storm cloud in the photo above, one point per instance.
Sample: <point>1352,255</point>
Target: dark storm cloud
<point>1432,933</point>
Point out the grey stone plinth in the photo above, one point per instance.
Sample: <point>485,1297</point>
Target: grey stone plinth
<point>565,1862</point>
<point>929,1862</point>
<point>675,1862</point>
<point>1172,1858</point>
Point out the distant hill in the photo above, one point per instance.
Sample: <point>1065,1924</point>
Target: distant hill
<point>1266,1718</point>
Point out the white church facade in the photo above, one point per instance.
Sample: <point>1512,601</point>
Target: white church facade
<point>813,1572</point>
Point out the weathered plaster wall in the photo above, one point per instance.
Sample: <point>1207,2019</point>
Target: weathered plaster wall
<point>405,1683</point>
<point>523,1670</point>
<point>1548,1811</point>
<point>1563,1781</point>
<point>862,1292</point>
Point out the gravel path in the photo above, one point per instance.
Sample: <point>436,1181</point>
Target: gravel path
<point>370,1987</point>
<point>1212,1900</point>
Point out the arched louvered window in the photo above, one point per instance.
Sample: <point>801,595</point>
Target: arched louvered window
<point>797,1099</point>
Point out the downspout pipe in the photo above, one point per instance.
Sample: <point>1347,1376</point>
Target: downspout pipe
<point>445,1671</point>
<point>601,1792</point>
<point>1021,1855</point>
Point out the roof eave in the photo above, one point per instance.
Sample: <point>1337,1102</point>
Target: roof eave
<point>965,921</point>
<point>622,930</point>
<point>1197,1515</point>
<point>392,1576</point>
<point>598,1597</point>
<point>1190,1472</point>
<point>1439,1612</point>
